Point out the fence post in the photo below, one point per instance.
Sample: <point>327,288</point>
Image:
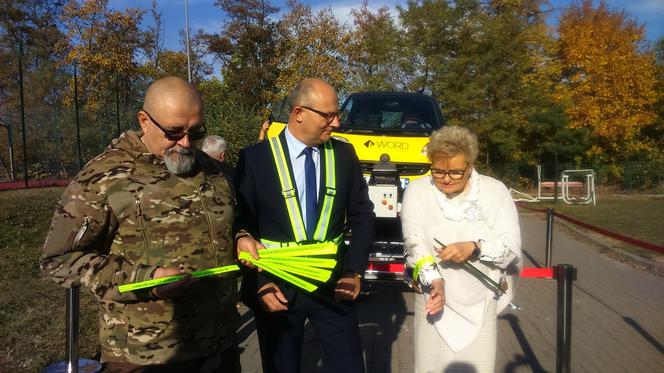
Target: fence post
<point>549,237</point>
<point>565,275</point>
<point>73,302</point>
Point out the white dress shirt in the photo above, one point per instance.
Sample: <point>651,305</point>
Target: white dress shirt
<point>295,148</point>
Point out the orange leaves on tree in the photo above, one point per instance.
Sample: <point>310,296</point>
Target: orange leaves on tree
<point>609,75</point>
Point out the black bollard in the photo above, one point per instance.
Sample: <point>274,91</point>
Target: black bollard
<point>565,274</point>
<point>549,237</point>
<point>73,300</point>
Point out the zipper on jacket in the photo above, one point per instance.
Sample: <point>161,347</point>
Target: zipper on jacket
<point>81,231</point>
<point>209,223</point>
<point>141,227</point>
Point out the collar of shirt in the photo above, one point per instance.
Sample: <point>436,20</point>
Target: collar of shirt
<point>295,148</point>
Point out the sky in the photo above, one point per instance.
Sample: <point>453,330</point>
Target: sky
<point>204,15</point>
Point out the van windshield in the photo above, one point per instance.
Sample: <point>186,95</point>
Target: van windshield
<point>387,113</point>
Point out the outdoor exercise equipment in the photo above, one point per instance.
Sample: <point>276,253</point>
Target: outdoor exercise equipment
<point>582,180</point>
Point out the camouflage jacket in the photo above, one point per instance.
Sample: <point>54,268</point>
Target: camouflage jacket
<point>123,216</point>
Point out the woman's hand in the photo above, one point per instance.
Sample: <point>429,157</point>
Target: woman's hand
<point>437,299</point>
<point>457,252</point>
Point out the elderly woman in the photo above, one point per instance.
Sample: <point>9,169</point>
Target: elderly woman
<point>452,217</point>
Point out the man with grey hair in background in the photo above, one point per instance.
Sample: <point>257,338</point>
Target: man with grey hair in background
<point>150,206</point>
<point>215,146</point>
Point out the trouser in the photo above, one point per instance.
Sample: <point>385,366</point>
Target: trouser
<point>227,361</point>
<point>280,335</point>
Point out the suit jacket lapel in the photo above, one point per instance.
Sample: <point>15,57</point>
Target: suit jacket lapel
<point>321,179</point>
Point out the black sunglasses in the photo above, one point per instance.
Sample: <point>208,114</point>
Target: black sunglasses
<point>329,117</point>
<point>197,133</point>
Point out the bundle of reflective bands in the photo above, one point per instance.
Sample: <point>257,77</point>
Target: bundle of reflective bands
<point>297,265</point>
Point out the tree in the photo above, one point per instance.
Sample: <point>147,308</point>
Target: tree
<point>160,62</point>
<point>246,48</point>
<point>610,78</point>
<point>309,46</point>
<point>104,43</point>
<point>229,116</point>
<point>516,73</point>
<point>655,133</point>
<point>28,32</point>
<point>375,52</point>
<point>430,28</point>
<point>491,65</point>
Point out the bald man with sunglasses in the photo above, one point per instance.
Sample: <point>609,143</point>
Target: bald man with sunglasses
<point>150,206</point>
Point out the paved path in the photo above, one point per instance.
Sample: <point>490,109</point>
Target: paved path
<point>617,318</point>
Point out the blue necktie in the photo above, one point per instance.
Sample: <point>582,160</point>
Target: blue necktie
<point>311,191</point>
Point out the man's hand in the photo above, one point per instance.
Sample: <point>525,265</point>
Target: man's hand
<point>251,246</point>
<point>173,289</point>
<point>437,297</point>
<point>348,288</point>
<point>271,298</point>
<point>457,252</point>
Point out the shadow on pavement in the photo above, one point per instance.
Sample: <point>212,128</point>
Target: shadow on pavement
<point>381,312</point>
<point>648,337</point>
<point>534,261</point>
<point>248,326</point>
<point>381,315</point>
<point>529,358</point>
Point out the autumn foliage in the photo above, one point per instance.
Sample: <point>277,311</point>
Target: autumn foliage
<point>609,76</point>
<point>586,94</point>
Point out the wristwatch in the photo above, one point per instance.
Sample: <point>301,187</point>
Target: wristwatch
<point>476,251</point>
<point>242,233</point>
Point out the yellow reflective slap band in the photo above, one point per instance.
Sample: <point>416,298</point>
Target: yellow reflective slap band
<point>284,275</point>
<point>165,280</point>
<point>313,273</point>
<point>420,263</point>
<point>300,261</point>
<point>323,248</point>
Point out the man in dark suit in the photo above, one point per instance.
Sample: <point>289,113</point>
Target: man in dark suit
<point>274,211</point>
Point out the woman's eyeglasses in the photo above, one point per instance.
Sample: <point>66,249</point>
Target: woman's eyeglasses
<point>437,173</point>
<point>196,133</point>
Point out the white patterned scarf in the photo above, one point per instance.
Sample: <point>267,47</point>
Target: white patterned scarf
<point>463,206</point>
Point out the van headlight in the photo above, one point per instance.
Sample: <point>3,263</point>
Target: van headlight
<point>342,139</point>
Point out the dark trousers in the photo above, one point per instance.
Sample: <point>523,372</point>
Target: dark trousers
<point>227,361</point>
<point>280,336</point>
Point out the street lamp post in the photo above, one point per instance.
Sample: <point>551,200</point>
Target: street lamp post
<point>186,31</point>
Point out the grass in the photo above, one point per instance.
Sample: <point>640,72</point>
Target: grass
<point>32,308</point>
<point>635,216</point>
